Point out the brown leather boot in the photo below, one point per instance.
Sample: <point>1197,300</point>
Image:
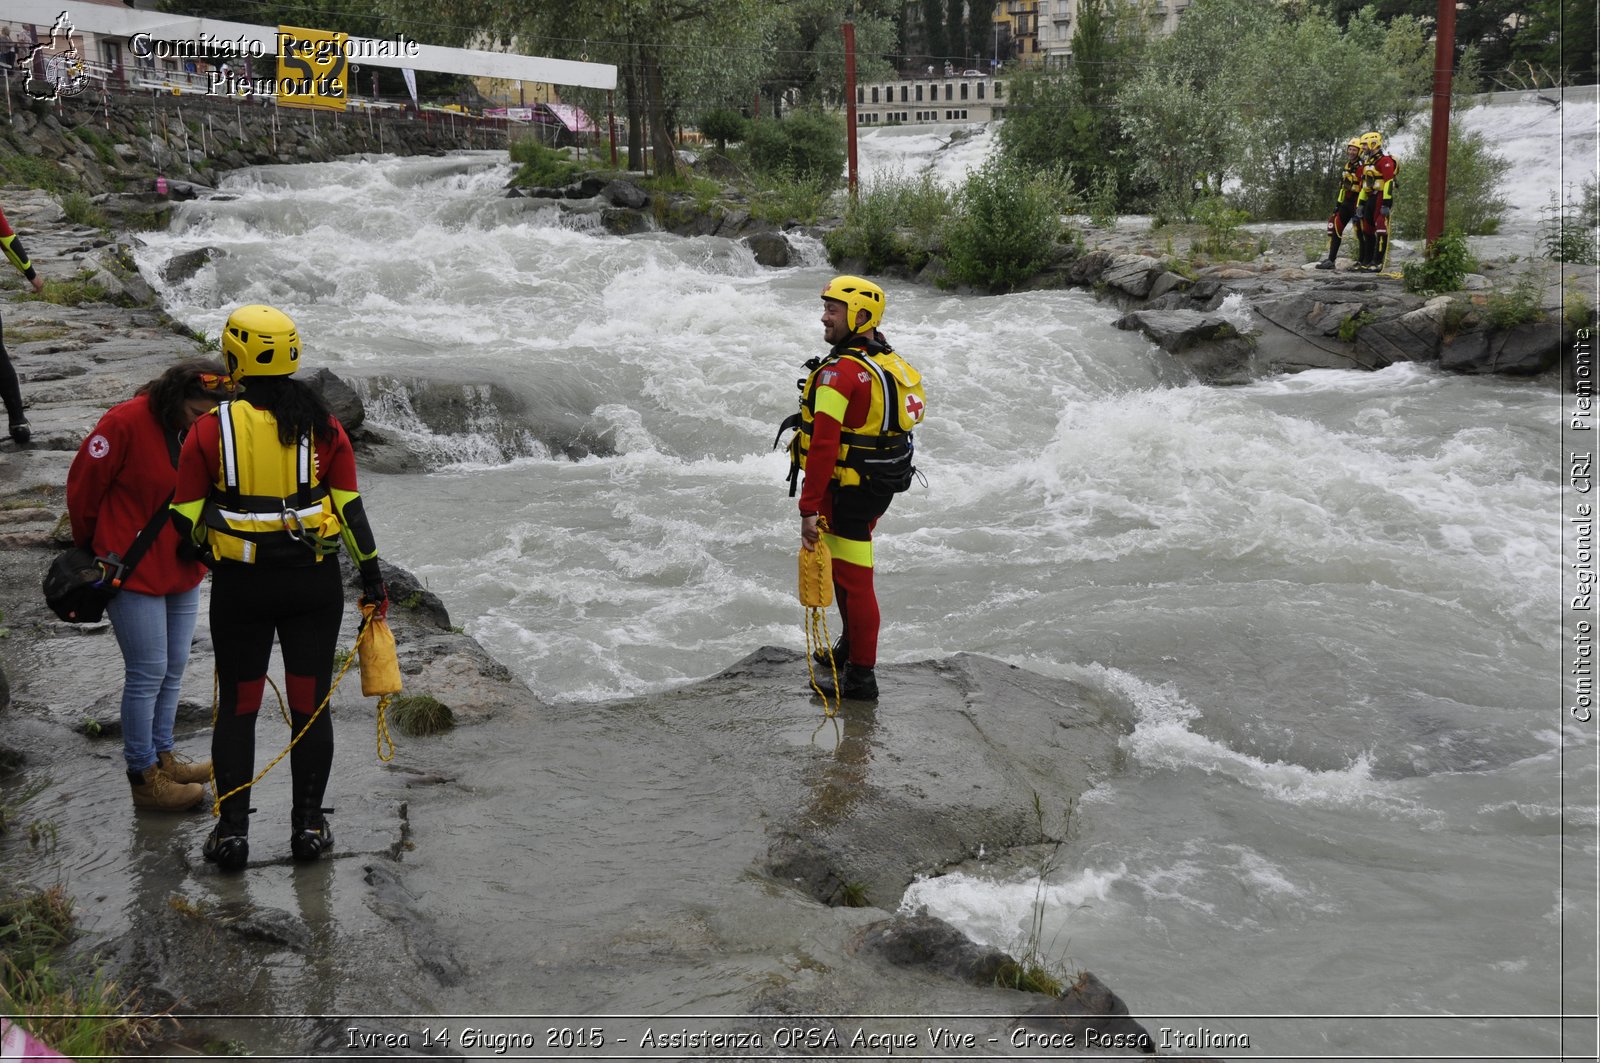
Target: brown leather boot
<point>154,788</point>
<point>182,769</point>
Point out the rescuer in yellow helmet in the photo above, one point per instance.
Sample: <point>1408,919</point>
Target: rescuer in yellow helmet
<point>1344,203</point>
<point>854,447</point>
<point>267,492</point>
<point>1374,204</point>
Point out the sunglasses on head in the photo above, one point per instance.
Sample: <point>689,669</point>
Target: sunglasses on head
<point>216,381</point>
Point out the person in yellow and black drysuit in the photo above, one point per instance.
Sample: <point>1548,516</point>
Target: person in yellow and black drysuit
<point>1375,204</point>
<point>858,407</point>
<point>10,390</point>
<point>1344,204</point>
<point>267,492</point>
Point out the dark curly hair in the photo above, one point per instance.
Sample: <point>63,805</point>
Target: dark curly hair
<point>195,378</point>
<point>298,407</point>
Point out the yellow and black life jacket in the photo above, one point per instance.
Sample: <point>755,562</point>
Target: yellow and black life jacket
<point>267,502</point>
<point>879,453</point>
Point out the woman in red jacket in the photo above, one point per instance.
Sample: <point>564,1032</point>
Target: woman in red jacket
<point>124,472</point>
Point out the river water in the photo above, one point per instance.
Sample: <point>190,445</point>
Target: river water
<point>1329,601</point>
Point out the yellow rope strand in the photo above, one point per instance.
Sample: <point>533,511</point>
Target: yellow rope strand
<point>817,623</point>
<point>383,729</point>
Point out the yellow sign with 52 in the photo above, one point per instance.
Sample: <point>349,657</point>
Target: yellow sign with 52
<point>313,68</point>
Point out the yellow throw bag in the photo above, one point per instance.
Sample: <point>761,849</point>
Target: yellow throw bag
<point>380,667</point>
<point>816,577</point>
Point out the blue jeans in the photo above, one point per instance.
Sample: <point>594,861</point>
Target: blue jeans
<point>153,632</point>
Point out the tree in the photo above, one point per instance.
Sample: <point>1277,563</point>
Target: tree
<point>955,32</point>
<point>1558,38</point>
<point>933,35</point>
<point>1036,132</point>
<point>1248,90</point>
<point>637,35</point>
<point>809,52</point>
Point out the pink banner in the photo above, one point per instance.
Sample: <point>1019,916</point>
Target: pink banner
<point>17,1043</point>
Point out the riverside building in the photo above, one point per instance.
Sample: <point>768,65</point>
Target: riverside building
<point>968,96</point>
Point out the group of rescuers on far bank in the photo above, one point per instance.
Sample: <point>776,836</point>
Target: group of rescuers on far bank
<point>258,481</point>
<point>1366,196</point>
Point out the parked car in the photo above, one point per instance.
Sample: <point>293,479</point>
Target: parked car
<point>974,73</point>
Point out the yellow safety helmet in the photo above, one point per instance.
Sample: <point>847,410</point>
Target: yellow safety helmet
<point>1355,142</point>
<point>857,293</point>
<point>1373,141</point>
<point>260,341</point>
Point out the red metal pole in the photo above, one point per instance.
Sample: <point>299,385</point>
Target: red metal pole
<point>850,99</point>
<point>1439,146</point>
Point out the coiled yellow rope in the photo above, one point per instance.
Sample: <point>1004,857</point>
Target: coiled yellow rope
<point>816,594</point>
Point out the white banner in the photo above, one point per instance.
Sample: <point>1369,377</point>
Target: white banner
<point>411,85</point>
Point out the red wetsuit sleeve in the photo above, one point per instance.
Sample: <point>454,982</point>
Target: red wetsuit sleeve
<point>820,459</point>
<point>845,377</point>
<point>199,460</point>
<point>5,226</point>
<point>336,460</point>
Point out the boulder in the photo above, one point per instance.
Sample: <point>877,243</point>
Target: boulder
<point>341,398</point>
<point>585,188</point>
<point>1408,337</point>
<point>625,194</point>
<point>933,945</point>
<point>1522,350</point>
<point>770,248</point>
<point>180,268</point>
<point>1089,1015</point>
<point>1133,274</point>
<point>1178,330</point>
<point>1165,282</point>
<point>624,221</point>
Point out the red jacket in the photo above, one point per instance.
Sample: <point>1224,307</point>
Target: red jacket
<point>122,474</point>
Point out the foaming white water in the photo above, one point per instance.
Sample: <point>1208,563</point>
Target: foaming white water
<point>1000,912</point>
<point>1321,606</point>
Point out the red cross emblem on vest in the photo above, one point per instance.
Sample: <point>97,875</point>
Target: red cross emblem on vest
<point>914,407</point>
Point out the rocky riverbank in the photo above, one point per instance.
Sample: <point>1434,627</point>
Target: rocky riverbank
<point>766,886</point>
<point>1230,318</point>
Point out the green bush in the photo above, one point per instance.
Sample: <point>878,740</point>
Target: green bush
<point>779,199</point>
<point>1221,223</point>
<point>1507,308</point>
<point>80,210</point>
<point>1005,226</point>
<point>1103,199</point>
<point>893,218</point>
<point>1445,268</point>
<point>1471,205</point>
<point>1572,233</point>
<point>541,166</point>
<point>722,125</point>
<point>31,172</point>
<point>808,145</point>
